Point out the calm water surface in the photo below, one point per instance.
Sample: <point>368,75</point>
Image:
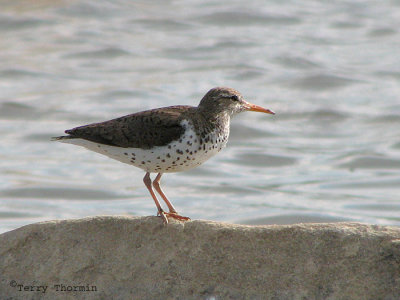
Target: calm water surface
<point>329,69</point>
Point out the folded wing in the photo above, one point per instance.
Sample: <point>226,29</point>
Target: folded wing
<point>147,129</point>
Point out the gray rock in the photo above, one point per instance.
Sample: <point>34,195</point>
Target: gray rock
<point>140,258</point>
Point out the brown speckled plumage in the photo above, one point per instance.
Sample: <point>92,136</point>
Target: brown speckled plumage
<point>168,139</point>
<point>160,126</point>
<point>145,130</point>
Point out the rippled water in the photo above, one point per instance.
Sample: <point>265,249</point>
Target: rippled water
<point>330,70</point>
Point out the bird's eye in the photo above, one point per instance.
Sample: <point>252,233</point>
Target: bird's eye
<point>234,98</point>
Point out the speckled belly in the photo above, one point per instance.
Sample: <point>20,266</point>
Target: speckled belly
<point>186,153</point>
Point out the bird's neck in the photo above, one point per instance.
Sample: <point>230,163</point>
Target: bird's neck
<point>218,122</point>
<point>216,116</point>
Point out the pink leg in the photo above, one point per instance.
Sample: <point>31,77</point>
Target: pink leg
<point>156,185</point>
<point>147,182</point>
<point>172,211</point>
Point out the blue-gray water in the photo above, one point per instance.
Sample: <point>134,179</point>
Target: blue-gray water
<point>329,69</point>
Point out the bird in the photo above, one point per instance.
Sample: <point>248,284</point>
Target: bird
<point>167,139</point>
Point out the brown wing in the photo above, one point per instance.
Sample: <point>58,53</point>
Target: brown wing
<point>147,129</point>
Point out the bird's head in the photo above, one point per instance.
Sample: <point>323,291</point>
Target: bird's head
<point>224,99</point>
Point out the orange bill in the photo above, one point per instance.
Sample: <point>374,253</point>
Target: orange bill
<point>253,107</point>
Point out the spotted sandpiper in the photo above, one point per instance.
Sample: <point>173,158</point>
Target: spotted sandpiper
<point>166,140</point>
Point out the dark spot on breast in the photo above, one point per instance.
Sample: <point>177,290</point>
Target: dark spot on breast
<point>125,153</point>
<point>179,151</point>
<point>158,157</point>
<point>169,146</point>
<point>143,163</point>
<point>168,155</point>
<point>163,160</point>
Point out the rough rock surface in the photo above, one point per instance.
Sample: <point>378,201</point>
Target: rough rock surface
<point>140,258</point>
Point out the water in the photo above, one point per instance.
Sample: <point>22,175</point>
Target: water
<point>329,69</point>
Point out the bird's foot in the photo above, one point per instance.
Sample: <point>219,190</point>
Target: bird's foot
<point>174,215</point>
<point>163,215</point>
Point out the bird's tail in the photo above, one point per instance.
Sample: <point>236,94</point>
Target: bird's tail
<point>60,138</point>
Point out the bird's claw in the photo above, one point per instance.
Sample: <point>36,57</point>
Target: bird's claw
<point>163,216</point>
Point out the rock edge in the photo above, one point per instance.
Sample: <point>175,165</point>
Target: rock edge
<point>140,258</point>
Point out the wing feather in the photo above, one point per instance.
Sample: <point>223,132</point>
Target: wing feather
<point>147,129</point>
